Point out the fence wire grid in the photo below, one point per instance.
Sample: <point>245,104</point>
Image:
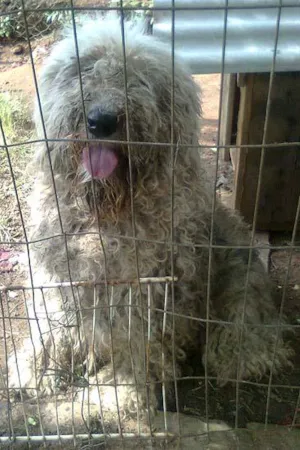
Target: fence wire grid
<point>27,421</point>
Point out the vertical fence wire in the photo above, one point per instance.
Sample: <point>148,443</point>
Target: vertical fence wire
<point>97,213</point>
<point>296,412</point>
<point>84,361</point>
<point>213,207</point>
<point>256,205</point>
<point>40,108</point>
<point>131,356</point>
<point>68,326</point>
<point>97,219</point>
<point>28,256</point>
<point>95,308</point>
<point>17,368</point>
<point>283,298</point>
<point>133,221</point>
<point>164,397</point>
<point>55,362</point>
<point>8,399</point>
<point>38,401</point>
<point>173,152</point>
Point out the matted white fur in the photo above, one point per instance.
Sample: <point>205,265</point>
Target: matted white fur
<point>70,333</point>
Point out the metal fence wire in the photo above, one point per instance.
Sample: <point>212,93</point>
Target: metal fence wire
<point>38,22</point>
<point>63,418</point>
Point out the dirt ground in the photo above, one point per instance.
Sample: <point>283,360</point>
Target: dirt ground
<point>16,76</point>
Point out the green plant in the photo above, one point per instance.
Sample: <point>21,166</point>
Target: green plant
<point>135,14</point>
<point>9,25</point>
<point>15,116</point>
<point>57,18</point>
<point>13,26</point>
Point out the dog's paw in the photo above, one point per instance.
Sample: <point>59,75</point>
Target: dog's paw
<point>118,395</point>
<point>232,355</point>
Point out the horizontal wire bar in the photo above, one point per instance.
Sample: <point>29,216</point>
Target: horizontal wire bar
<point>110,436</point>
<point>68,437</point>
<point>150,8</point>
<point>148,280</point>
<point>188,378</point>
<point>154,241</point>
<point>146,143</point>
<point>160,310</point>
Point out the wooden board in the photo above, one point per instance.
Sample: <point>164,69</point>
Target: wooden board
<point>227,113</point>
<point>280,188</point>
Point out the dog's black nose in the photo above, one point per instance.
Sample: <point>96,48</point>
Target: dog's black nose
<point>101,124</point>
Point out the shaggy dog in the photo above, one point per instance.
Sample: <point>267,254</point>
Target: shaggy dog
<point>106,210</point>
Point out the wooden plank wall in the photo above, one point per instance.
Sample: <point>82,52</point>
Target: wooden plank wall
<point>281,173</point>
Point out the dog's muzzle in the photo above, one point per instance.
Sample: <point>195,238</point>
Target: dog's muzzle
<point>101,159</point>
<point>101,124</point>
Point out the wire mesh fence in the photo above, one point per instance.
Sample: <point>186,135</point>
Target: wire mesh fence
<point>102,311</point>
<point>44,17</point>
<point>12,23</point>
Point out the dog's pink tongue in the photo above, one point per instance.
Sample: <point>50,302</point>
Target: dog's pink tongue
<point>99,161</point>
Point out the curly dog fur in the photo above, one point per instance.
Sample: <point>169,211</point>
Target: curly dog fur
<point>91,238</point>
